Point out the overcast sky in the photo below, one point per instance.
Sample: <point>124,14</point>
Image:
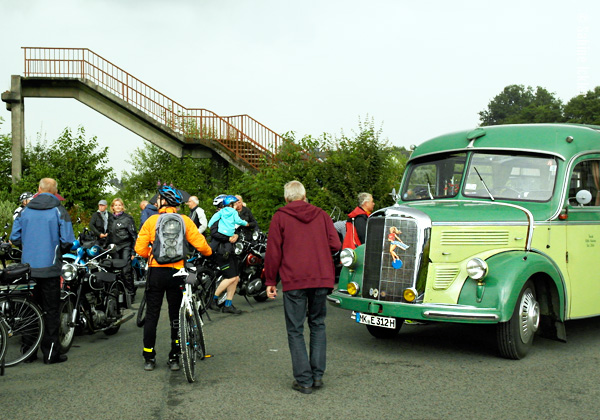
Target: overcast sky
<point>419,68</point>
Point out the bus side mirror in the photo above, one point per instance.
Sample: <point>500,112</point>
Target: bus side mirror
<point>583,197</point>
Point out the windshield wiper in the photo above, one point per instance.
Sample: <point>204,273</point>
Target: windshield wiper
<point>429,187</point>
<point>484,185</point>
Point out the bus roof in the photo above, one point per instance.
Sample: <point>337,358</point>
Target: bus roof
<point>561,140</point>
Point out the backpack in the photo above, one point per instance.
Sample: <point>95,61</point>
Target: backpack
<point>169,240</point>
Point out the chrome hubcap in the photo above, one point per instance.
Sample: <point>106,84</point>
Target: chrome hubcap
<point>529,315</point>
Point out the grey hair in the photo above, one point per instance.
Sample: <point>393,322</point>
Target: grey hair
<point>294,191</point>
<point>363,197</point>
<point>194,199</point>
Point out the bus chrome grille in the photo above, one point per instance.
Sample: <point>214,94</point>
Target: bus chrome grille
<point>385,277</point>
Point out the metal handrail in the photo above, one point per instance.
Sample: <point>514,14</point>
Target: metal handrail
<point>248,139</point>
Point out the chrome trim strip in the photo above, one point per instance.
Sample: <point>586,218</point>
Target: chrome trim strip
<point>333,300</point>
<point>464,316</point>
<point>480,223</point>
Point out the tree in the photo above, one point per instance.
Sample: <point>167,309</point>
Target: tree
<point>5,164</point>
<point>333,171</point>
<point>584,108</point>
<point>151,165</point>
<point>519,105</point>
<point>78,164</point>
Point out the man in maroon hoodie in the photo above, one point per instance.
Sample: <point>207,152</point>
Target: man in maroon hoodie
<point>301,241</point>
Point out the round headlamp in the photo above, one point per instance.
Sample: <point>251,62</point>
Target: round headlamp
<point>348,257</point>
<point>69,271</point>
<point>477,268</point>
<point>238,248</point>
<point>353,288</point>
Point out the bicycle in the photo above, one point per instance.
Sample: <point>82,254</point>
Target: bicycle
<point>21,316</point>
<point>191,335</point>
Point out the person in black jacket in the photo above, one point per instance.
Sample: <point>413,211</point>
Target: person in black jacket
<point>99,223</point>
<point>122,233</point>
<point>245,214</point>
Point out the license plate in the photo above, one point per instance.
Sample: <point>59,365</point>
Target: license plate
<point>378,321</point>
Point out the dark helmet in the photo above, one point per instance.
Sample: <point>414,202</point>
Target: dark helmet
<point>171,195</point>
<point>25,196</point>
<point>218,201</point>
<point>229,200</point>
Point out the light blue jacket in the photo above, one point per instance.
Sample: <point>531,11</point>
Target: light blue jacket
<point>228,217</point>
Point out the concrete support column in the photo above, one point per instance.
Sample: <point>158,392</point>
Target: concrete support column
<point>16,105</point>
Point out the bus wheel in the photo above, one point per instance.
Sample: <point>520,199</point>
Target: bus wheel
<point>385,333</point>
<point>515,337</point>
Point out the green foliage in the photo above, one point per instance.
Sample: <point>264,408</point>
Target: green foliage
<point>519,105</point>
<point>5,164</point>
<point>584,109</point>
<point>333,172</point>
<point>78,164</point>
<point>6,212</point>
<point>151,166</point>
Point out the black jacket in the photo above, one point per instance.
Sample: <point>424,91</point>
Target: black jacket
<point>97,224</point>
<point>121,231</point>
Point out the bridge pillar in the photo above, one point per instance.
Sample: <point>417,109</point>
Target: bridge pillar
<point>16,105</point>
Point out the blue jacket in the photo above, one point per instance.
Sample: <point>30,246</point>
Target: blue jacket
<point>148,211</point>
<point>42,229</point>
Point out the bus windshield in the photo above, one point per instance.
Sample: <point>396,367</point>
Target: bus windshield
<point>510,177</point>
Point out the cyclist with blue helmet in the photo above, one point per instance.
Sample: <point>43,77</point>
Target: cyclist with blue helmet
<point>160,280</point>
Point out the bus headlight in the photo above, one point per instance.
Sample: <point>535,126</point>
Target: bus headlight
<point>477,269</point>
<point>348,257</point>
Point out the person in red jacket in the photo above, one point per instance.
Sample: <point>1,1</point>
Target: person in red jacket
<point>301,240</point>
<point>356,225</point>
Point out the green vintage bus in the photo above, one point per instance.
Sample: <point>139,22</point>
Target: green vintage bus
<point>498,225</point>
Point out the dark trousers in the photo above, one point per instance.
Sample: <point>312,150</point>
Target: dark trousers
<point>160,281</point>
<point>47,295</point>
<point>125,254</point>
<point>297,305</point>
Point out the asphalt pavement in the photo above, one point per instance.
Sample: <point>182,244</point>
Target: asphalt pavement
<point>435,371</point>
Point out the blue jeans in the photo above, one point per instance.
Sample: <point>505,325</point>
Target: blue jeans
<point>297,305</point>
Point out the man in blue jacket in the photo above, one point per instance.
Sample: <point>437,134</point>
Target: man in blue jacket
<point>44,231</point>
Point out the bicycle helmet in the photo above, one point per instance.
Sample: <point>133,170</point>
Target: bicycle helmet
<point>25,196</point>
<point>218,201</point>
<point>171,195</point>
<point>229,200</point>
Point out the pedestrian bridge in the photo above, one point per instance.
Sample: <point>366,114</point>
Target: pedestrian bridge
<point>84,75</point>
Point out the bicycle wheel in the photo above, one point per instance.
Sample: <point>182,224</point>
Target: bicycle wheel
<point>201,345</point>
<point>188,339</point>
<point>24,318</point>
<point>3,338</point>
<point>141,313</point>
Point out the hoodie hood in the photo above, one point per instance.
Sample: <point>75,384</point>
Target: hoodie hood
<point>301,210</point>
<point>43,201</point>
